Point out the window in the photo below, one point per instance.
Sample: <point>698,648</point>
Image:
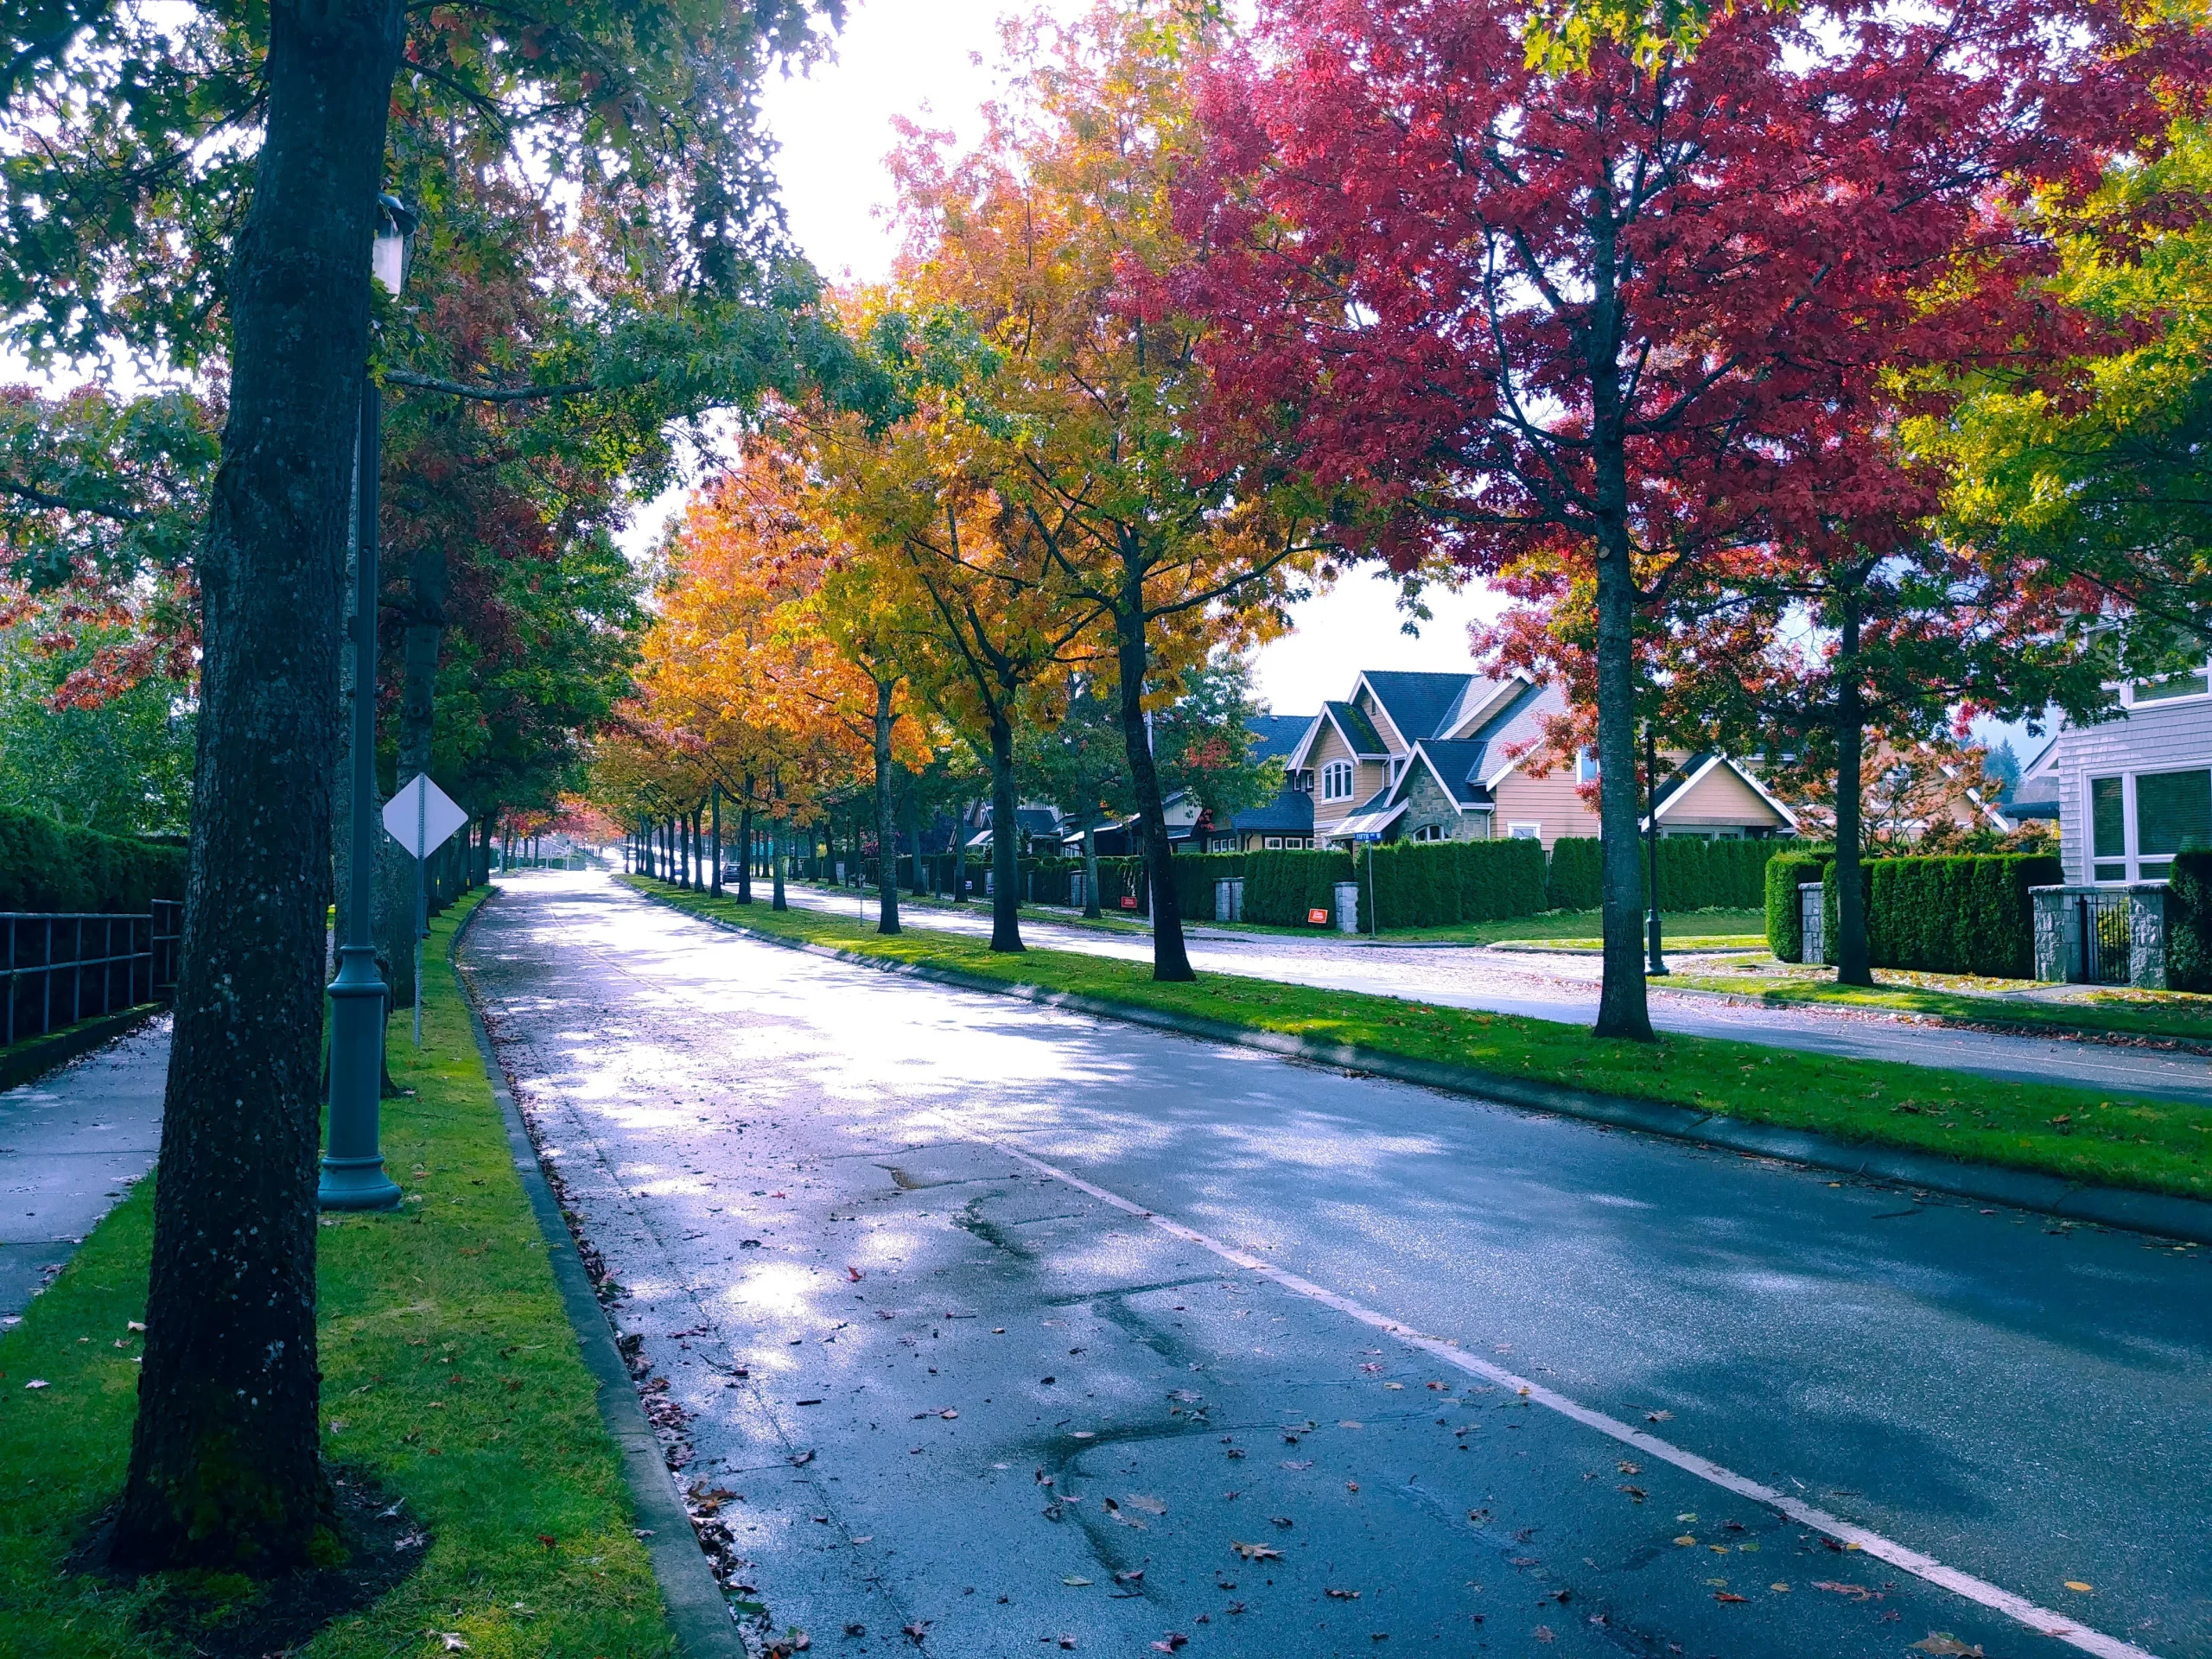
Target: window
<point>2108,829</point>
<point>1274,843</point>
<point>1586,767</point>
<point>1429,832</point>
<point>1336,781</point>
<point>2169,686</point>
<point>2173,810</point>
<point>1525,831</point>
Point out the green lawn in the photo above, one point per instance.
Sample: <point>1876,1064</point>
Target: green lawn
<point>2117,1140</point>
<point>2171,1015</point>
<point>1566,929</point>
<point>449,1371</point>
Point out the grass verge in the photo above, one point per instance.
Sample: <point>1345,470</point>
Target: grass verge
<point>1567,929</point>
<point>2111,1141</point>
<point>450,1374</point>
<point>2170,1015</point>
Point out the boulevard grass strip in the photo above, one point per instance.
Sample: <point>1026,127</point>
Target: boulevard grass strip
<point>2173,1016</point>
<point>2098,1139</point>
<point>450,1374</point>
<point>1564,930</point>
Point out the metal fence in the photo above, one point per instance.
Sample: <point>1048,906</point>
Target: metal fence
<point>2101,928</point>
<point>61,969</point>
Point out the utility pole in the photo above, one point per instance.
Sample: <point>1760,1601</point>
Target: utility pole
<point>1656,968</point>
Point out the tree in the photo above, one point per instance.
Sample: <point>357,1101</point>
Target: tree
<point>1600,315</point>
<point>207,184</point>
<point>1073,754</point>
<point>1084,413</point>
<point>1204,740</point>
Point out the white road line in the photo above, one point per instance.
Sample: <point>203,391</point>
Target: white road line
<point>2042,1620</point>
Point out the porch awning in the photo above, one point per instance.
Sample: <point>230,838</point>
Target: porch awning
<point>1368,826</point>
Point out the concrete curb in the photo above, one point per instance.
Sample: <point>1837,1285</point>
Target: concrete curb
<point>697,1612</point>
<point>37,1056</point>
<point>2053,1195</point>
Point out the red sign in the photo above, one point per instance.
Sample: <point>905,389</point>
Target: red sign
<point>1318,917</point>
<point>1128,901</point>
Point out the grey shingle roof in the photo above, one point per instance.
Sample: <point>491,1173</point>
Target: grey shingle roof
<point>1358,730</point>
<point>1291,813</point>
<point>1418,704</point>
<point>1461,766</point>
<point>1275,736</point>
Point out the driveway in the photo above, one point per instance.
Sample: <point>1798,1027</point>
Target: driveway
<point>1565,989</point>
<point>995,1330</point>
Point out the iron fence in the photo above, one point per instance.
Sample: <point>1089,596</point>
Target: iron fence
<point>2101,928</point>
<point>61,969</point>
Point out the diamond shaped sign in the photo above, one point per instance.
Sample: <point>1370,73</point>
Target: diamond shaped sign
<point>421,816</point>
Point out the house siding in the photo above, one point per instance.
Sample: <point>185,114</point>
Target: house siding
<point>2157,737</point>
<point>1368,775</point>
<point>1549,801</point>
<point>1720,800</point>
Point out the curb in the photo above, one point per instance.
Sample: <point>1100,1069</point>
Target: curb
<point>37,1056</point>
<point>697,1611</point>
<point>2142,1212</point>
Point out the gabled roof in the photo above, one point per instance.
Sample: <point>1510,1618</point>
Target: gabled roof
<point>1456,768</point>
<point>1417,705</point>
<point>1278,735</point>
<point>1358,731</point>
<point>1697,767</point>
<point>1515,731</point>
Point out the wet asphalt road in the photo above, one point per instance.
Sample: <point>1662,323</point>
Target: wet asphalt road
<point>1565,989</point>
<point>778,1157</point>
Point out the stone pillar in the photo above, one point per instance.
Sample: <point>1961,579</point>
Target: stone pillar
<point>2055,921</point>
<point>2146,935</point>
<point>1347,895</point>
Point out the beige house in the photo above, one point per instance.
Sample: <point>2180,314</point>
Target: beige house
<point>1451,757</point>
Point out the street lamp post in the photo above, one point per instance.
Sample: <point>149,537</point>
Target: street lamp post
<point>1657,966</point>
<point>353,1175</point>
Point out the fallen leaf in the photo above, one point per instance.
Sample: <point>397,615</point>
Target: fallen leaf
<point>1855,1591</point>
<point>547,1540</point>
<point>799,1460</point>
<point>916,1631</point>
<point>853,1274</point>
<point>1255,1552</point>
<point>1635,1493</point>
<point>1170,1642</point>
<point>1543,1633</point>
<point>1685,1538</point>
<point>1348,1423</point>
<point>1079,1583</point>
<point>1135,1575</point>
<point>36,1382</point>
<point>1780,1587</point>
<point>1342,1595</point>
<point>1288,1463</point>
<point>2076,1583</point>
<point>1372,1370</point>
<point>1630,1468</point>
<point>851,1630</point>
<point>1944,1642</point>
<point>865,1538</point>
<point>1282,1521</point>
<point>133,1324</point>
<point>1723,1595</point>
<point>1351,1485</point>
<point>1149,1505</point>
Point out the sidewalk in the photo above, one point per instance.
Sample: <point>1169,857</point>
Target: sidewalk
<point>71,1143</point>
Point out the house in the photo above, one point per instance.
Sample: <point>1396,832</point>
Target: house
<point>1455,757</point>
<point>2132,791</point>
<point>1286,820</point>
<point>1039,822</point>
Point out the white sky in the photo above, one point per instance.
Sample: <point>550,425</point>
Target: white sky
<point>932,60</point>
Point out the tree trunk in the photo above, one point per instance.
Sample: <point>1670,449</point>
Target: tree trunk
<point>1170,960</point>
<point>224,1472</point>
<point>776,866</point>
<point>887,835</point>
<point>1090,872</point>
<point>1623,1010</point>
<point>1852,966</point>
<point>1006,841</point>
<point>745,839</point>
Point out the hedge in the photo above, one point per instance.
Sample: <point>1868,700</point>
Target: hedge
<point>1785,914</point>
<point>2188,923</point>
<point>1442,883</point>
<point>48,866</point>
<point>1281,887</point>
<point>1959,915</point>
<point>1693,874</point>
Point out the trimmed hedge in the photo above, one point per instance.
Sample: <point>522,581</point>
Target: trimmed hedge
<point>1961,915</point>
<point>1693,874</point>
<point>1785,915</point>
<point>2188,923</point>
<point>1195,874</point>
<point>48,866</point>
<point>1280,887</point>
<point>1442,883</point>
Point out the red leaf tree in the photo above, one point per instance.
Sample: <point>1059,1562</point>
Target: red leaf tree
<point>1605,319</point>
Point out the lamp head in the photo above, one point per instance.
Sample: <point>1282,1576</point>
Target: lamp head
<point>395,243</point>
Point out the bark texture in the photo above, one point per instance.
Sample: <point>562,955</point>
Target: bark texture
<point>1005,840</point>
<point>1171,960</point>
<point>1851,965</point>
<point>886,834</point>
<point>224,1472</point>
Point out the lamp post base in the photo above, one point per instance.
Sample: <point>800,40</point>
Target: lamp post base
<point>356,1184</point>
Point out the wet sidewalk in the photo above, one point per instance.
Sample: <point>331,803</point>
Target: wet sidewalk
<point>70,1144</point>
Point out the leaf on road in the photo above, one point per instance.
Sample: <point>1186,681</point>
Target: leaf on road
<point>1288,1463</point>
<point>2076,1583</point>
<point>799,1459</point>
<point>1855,1591</point>
<point>1723,1595</point>
<point>1135,1575</point>
<point>1944,1642</point>
<point>1342,1595</point>
<point>1348,1423</point>
<point>1255,1552</point>
<point>1170,1642</point>
<point>1282,1521</point>
<point>1543,1633</point>
<point>1685,1538</point>
<point>1371,1369</point>
<point>1148,1505</point>
<point>853,1274</point>
<point>1635,1493</point>
<point>1079,1583</point>
<point>1628,1468</point>
<point>916,1632</point>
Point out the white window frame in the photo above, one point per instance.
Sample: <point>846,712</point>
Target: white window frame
<point>2127,699</point>
<point>2128,821</point>
<point>1274,843</point>
<point>1332,773</point>
<point>1524,832</point>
